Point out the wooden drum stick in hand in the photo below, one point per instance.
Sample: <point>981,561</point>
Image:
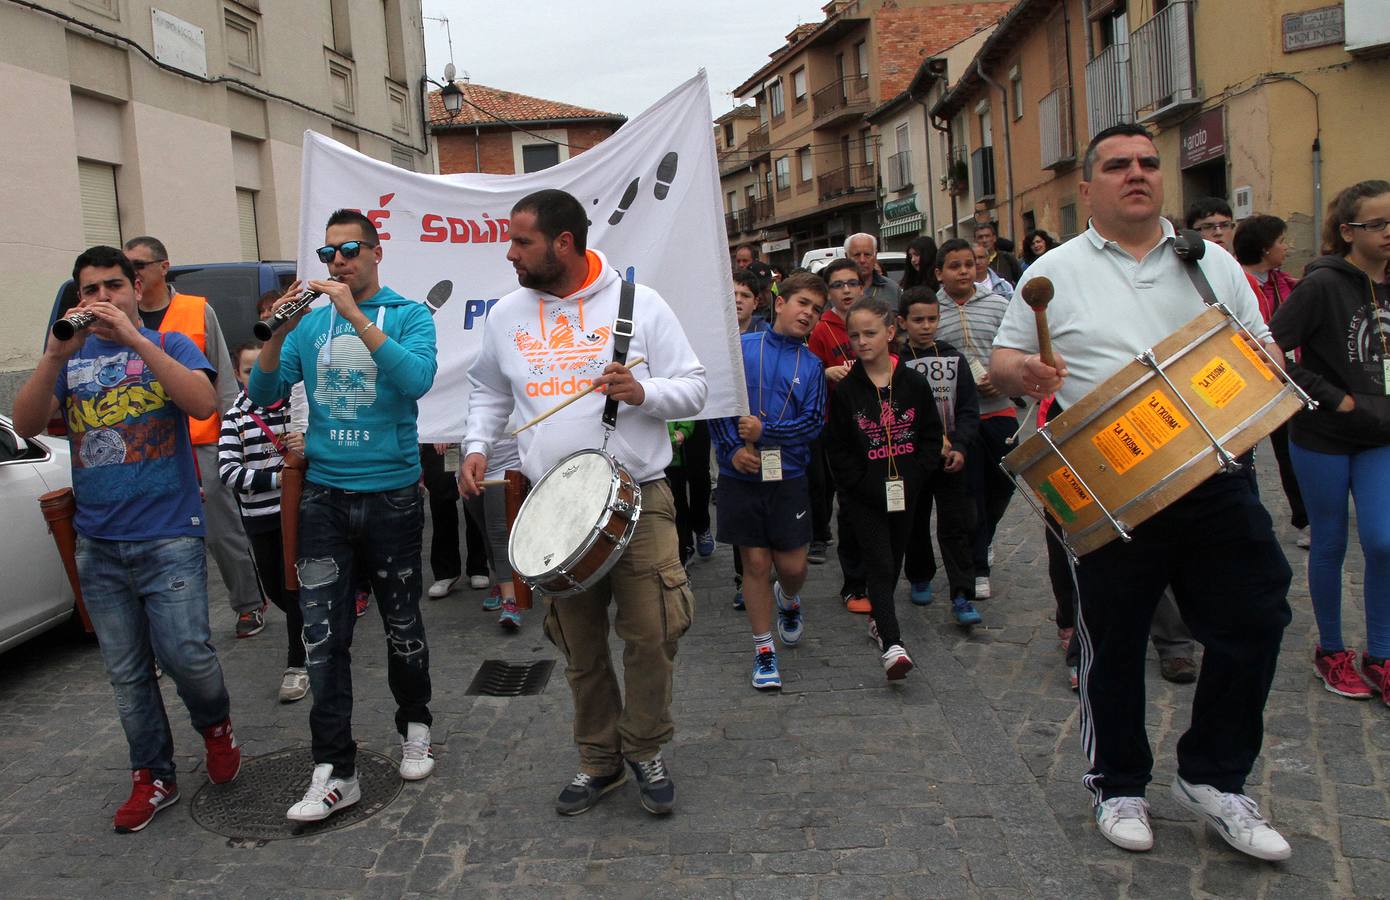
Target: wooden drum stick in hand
<point>1037,293</point>
<point>635,361</point>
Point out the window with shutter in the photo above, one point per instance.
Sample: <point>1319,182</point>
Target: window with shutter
<point>101,218</point>
<point>246,220</point>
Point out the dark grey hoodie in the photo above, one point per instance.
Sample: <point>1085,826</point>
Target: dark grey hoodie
<point>1340,321</point>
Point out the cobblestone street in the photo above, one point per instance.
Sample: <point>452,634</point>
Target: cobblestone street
<point>962,781</point>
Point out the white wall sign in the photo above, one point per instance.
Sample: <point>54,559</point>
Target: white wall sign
<point>179,44</point>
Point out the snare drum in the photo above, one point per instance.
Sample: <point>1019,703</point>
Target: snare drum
<point>1153,431</point>
<point>575,523</point>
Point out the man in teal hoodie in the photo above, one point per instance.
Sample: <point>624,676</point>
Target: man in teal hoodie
<point>365,359</point>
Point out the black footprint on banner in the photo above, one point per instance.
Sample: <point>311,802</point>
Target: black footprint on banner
<point>439,295</point>
<point>665,174</point>
<point>628,196</point>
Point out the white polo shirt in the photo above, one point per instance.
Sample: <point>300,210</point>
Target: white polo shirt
<point>1110,307</point>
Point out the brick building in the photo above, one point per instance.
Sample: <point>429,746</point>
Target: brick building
<point>505,133</point>
<point>1276,125</point>
<point>813,154</point>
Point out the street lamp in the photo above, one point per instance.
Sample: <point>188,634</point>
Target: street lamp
<point>452,96</point>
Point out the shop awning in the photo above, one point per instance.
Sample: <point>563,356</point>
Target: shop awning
<point>901,226</point>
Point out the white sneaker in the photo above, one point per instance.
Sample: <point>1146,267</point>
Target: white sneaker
<point>294,685</point>
<point>479,582</point>
<point>896,663</point>
<point>442,588</point>
<point>982,591</point>
<point>326,795</point>
<point>1236,818</point>
<point>417,759</point>
<point>1305,538</point>
<point>1125,822</point>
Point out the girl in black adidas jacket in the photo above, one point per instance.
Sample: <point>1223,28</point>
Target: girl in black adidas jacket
<point>1338,317</point>
<point>883,440</point>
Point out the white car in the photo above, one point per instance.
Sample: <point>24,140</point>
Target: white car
<point>892,262</point>
<point>34,592</point>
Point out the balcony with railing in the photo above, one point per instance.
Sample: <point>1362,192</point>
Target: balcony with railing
<point>982,172</point>
<point>847,180</point>
<point>840,100</point>
<point>1108,98</point>
<point>756,142</point>
<point>1056,143</point>
<point>900,171</point>
<point>1161,63</point>
<point>759,211</point>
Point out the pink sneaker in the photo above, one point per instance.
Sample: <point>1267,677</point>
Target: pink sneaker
<point>1338,673</point>
<point>1377,675</point>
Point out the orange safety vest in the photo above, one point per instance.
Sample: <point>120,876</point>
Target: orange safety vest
<point>187,315</point>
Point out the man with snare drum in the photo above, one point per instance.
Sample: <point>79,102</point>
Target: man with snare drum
<point>547,341</point>
<point>1120,289</point>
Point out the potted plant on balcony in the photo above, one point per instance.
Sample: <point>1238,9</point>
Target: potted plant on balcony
<point>958,177</point>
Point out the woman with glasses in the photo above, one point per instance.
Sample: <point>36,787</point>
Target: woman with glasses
<point>1338,317</point>
<point>1260,248</point>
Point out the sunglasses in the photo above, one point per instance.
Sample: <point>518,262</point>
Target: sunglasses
<point>349,249</point>
<point>137,265</point>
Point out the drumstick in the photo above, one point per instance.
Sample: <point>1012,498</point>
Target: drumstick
<point>559,406</point>
<point>1037,293</point>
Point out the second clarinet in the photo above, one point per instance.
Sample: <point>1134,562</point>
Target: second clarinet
<point>268,326</point>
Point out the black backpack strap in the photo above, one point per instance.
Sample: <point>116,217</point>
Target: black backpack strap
<point>1190,247</point>
<point>622,336</point>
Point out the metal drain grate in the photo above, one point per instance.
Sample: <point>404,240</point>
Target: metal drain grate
<point>499,678</point>
<point>252,808</point>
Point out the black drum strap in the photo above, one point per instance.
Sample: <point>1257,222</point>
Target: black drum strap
<point>622,336</point>
<point>1190,247</point>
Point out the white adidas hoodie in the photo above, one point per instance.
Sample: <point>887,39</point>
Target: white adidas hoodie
<point>539,350</point>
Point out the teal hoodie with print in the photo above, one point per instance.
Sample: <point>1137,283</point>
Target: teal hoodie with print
<point>362,405</point>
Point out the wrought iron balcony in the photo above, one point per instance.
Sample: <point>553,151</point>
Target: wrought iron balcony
<point>1161,63</point>
<point>846,180</point>
<point>1056,144</point>
<point>840,99</point>
<point>1108,97</point>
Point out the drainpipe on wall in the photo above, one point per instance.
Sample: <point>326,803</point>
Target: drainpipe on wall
<point>931,179</point>
<point>477,148</point>
<point>1317,194</point>
<point>1008,146</point>
<point>950,152</point>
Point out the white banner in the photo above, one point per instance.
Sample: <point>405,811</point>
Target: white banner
<point>652,189</point>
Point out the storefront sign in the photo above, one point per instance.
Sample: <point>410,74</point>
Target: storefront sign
<point>1203,138</point>
<point>1314,28</point>
<point>774,246</point>
<point>897,209</point>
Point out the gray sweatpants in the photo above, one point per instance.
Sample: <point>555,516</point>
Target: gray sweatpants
<point>226,539</point>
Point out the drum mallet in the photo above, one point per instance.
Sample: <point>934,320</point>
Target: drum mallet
<point>635,361</point>
<point>1037,293</point>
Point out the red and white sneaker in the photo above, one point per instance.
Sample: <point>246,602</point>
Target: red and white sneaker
<point>326,795</point>
<point>896,663</point>
<point>223,752</point>
<point>1064,638</point>
<point>1338,673</point>
<point>148,795</point>
<point>1377,674</point>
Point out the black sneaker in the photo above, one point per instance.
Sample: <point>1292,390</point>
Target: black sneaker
<point>250,622</point>
<point>585,791</point>
<point>815,554</point>
<point>656,790</point>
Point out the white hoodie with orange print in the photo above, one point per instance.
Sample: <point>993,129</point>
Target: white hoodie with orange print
<point>539,350</point>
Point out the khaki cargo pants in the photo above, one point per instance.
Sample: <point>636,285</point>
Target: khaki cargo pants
<point>654,607</point>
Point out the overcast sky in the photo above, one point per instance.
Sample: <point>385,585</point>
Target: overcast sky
<point>612,55</point>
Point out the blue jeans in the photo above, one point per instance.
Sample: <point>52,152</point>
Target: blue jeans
<point>376,535</point>
<point>1326,480</point>
<point>149,599</point>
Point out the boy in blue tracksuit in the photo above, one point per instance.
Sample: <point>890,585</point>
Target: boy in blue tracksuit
<point>763,499</point>
<point>365,359</point>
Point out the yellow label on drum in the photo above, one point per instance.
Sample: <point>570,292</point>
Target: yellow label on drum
<point>1063,494</point>
<point>1217,383</point>
<point>1157,419</point>
<point>1122,445</point>
<point>1249,353</point>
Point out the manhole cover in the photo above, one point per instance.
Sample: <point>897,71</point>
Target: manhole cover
<point>499,678</point>
<point>253,807</point>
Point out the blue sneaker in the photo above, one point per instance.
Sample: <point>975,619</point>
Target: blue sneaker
<point>704,544</point>
<point>738,599</point>
<point>789,624</point>
<point>921,592</point>
<point>493,601</point>
<point>964,611</point>
<point>766,677</point>
<point>510,620</point>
